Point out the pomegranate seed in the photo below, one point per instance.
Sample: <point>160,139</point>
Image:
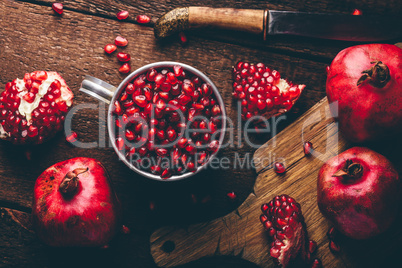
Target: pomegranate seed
<point>58,8</point>
<point>120,143</point>
<point>316,263</point>
<point>32,131</point>
<point>125,68</point>
<point>151,74</point>
<point>213,146</point>
<point>122,15</point>
<point>72,137</point>
<point>129,135</point>
<point>332,234</point>
<point>334,247</point>
<point>279,168</point>
<point>125,229</point>
<point>178,70</point>
<point>143,19</point>
<point>312,246</point>
<point>29,97</point>
<point>123,57</point>
<point>183,38</point>
<point>120,41</point>
<point>307,148</point>
<point>166,174</point>
<point>110,48</point>
<point>357,12</point>
<point>232,195</point>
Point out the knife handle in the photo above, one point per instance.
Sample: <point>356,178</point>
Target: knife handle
<point>180,19</point>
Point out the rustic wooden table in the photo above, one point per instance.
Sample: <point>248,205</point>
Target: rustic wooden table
<point>32,38</point>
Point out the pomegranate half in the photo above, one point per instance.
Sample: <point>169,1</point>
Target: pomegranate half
<point>366,82</point>
<point>74,204</point>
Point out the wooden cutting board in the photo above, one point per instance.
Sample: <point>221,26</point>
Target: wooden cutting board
<point>240,233</point>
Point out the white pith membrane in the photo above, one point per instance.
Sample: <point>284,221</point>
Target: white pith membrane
<point>26,108</point>
<point>295,242</point>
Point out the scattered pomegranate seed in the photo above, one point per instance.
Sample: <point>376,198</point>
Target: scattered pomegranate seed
<point>334,247</point>
<point>151,205</point>
<point>121,41</point>
<point>307,148</point>
<point>194,199</point>
<point>279,168</point>
<point>123,57</point>
<point>312,246</point>
<point>125,68</point>
<point>72,137</point>
<point>122,15</point>
<point>125,229</point>
<point>110,48</point>
<point>206,199</point>
<point>232,195</point>
<point>143,19</point>
<point>58,8</point>
<point>357,12</point>
<point>183,38</point>
<point>332,234</point>
<point>28,155</point>
<point>316,263</point>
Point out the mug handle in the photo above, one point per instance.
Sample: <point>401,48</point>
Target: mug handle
<point>97,88</point>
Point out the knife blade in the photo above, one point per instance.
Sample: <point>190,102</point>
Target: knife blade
<point>271,22</point>
<point>333,26</point>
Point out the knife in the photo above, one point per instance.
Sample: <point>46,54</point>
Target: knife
<point>272,22</point>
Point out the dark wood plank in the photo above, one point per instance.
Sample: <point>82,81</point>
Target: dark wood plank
<point>322,50</point>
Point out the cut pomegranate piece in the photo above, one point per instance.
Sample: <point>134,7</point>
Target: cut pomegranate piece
<point>110,48</point>
<point>29,115</point>
<point>122,15</point>
<point>125,68</point>
<point>58,8</point>
<point>121,41</point>
<point>123,57</point>
<point>263,92</point>
<point>143,19</point>
<point>283,219</point>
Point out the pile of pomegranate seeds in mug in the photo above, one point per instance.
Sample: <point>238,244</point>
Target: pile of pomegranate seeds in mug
<point>167,121</point>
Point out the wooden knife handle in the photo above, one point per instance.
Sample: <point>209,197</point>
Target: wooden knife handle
<point>247,20</point>
<point>180,19</point>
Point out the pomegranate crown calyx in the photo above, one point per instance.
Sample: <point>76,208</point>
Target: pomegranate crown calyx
<point>350,170</point>
<point>68,187</point>
<point>378,75</point>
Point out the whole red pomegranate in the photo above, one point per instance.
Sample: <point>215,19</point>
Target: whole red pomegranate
<point>358,191</point>
<point>74,204</point>
<point>33,109</point>
<point>366,81</point>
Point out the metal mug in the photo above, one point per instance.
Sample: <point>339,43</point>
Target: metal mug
<point>108,94</point>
